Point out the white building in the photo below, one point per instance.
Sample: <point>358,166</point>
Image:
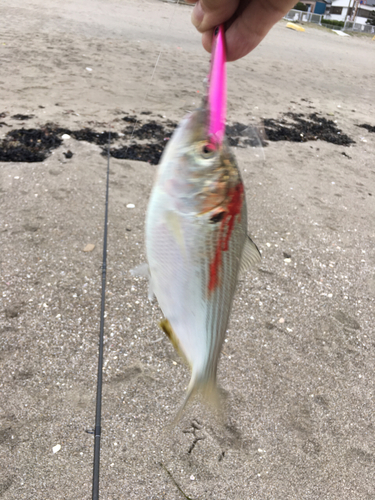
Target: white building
<point>357,11</point>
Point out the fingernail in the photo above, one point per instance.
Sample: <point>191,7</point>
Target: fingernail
<point>197,15</point>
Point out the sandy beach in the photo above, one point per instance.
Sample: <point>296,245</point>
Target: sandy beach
<point>297,369</point>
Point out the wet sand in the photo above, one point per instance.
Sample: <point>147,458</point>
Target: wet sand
<point>297,369</point>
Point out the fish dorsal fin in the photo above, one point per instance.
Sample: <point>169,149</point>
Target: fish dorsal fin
<point>168,330</point>
<point>250,255</point>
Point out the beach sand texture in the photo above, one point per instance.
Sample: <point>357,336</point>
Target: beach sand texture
<point>297,370</point>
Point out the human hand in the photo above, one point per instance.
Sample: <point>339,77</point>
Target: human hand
<point>247,22</point>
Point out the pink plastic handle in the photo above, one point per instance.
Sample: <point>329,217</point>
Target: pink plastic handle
<point>217,94</point>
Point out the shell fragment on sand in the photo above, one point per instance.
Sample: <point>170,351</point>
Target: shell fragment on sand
<point>295,27</point>
<point>89,247</point>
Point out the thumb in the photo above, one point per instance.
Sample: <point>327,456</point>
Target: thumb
<point>209,13</point>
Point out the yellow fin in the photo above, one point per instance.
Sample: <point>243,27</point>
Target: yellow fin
<point>168,330</point>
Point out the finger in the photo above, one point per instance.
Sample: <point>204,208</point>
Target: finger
<point>250,25</point>
<point>249,29</point>
<point>209,13</point>
<point>207,40</point>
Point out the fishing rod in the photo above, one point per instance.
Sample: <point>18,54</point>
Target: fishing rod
<point>97,430</point>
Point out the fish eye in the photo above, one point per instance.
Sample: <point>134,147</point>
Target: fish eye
<point>207,151</point>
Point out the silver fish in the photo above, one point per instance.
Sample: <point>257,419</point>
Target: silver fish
<point>197,243</point>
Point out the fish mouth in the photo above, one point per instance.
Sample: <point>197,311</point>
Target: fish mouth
<point>217,89</point>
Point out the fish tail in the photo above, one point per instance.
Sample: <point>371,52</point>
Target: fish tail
<point>207,389</point>
<point>210,393</point>
<point>192,389</point>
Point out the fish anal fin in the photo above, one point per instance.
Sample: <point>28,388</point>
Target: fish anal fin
<point>250,255</point>
<point>168,330</point>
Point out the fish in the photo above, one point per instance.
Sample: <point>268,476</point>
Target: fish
<point>196,233</point>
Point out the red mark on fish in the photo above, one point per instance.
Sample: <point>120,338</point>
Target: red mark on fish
<point>226,228</point>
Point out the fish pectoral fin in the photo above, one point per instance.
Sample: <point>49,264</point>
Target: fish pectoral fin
<point>143,271</point>
<point>150,291</point>
<point>168,330</point>
<point>173,222</point>
<point>250,255</point>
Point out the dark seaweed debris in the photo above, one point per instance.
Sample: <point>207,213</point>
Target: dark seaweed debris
<point>152,131</point>
<point>22,117</point>
<point>130,119</point>
<point>68,154</point>
<point>28,145</point>
<point>149,131</point>
<point>141,152</point>
<point>298,129</point>
<point>35,145</point>
<point>146,141</point>
<point>156,135</point>
<point>370,128</point>
<point>88,135</point>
